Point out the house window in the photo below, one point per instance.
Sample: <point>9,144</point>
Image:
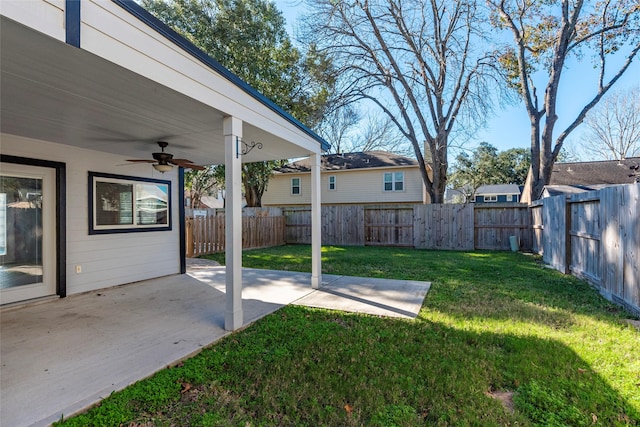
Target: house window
<point>295,186</point>
<point>394,181</point>
<point>332,182</point>
<point>120,204</point>
<point>493,198</point>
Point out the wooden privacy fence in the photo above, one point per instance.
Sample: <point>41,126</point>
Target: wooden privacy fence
<point>595,236</point>
<point>433,226</point>
<point>206,234</point>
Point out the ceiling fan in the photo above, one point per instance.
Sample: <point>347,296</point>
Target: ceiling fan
<point>163,162</point>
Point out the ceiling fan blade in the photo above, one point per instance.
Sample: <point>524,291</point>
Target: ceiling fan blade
<point>188,165</point>
<point>141,161</point>
<point>192,166</point>
<point>165,158</point>
<point>183,162</point>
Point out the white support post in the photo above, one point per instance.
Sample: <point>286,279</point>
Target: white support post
<point>233,317</point>
<point>316,225</point>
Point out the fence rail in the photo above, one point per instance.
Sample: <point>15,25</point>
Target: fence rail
<point>432,226</point>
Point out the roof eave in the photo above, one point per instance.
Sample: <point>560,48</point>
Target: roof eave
<point>142,14</point>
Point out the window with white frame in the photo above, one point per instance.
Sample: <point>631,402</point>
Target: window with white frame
<point>332,182</point>
<point>295,186</point>
<point>493,198</point>
<point>393,181</point>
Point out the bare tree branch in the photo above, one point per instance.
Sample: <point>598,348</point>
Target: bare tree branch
<point>419,61</point>
<point>613,127</point>
<point>544,35</point>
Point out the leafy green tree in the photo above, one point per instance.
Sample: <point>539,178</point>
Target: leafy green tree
<point>255,179</point>
<point>202,183</point>
<point>546,33</point>
<point>486,165</point>
<point>249,38</point>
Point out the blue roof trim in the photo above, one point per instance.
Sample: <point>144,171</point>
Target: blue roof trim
<point>139,12</point>
<point>72,22</point>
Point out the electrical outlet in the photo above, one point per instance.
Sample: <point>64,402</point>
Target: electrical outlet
<point>78,269</point>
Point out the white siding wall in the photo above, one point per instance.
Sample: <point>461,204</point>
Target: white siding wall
<point>46,16</point>
<point>107,259</point>
<point>352,186</point>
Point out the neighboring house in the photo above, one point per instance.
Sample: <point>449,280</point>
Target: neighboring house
<point>206,202</point>
<point>371,177</point>
<point>87,85</point>
<point>557,190</point>
<point>498,193</point>
<point>454,195</point>
<point>578,177</point>
<point>606,172</point>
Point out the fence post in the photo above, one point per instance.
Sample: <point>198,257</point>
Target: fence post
<point>189,232</point>
<point>475,226</point>
<point>567,236</point>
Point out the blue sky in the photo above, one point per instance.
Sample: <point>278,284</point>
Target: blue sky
<point>509,127</point>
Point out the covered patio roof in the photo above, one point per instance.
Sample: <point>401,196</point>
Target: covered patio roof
<point>56,92</point>
<point>109,77</point>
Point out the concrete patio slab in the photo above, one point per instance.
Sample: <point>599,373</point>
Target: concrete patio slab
<point>382,297</point>
<point>62,356</point>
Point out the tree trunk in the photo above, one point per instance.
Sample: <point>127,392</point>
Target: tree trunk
<point>440,165</point>
<point>439,181</point>
<point>533,190</point>
<point>195,200</point>
<point>251,197</point>
<point>257,198</point>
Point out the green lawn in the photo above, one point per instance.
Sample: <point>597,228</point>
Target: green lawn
<point>492,322</point>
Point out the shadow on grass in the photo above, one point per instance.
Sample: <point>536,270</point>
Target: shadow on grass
<point>302,366</point>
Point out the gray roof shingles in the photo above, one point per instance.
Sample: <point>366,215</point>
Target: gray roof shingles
<point>359,160</point>
<point>498,189</point>
<point>594,173</point>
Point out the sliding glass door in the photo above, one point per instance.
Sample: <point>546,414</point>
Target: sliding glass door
<point>27,232</point>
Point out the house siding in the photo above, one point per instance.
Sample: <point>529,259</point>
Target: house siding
<point>107,259</point>
<point>45,16</point>
<point>352,186</point>
<point>502,198</point>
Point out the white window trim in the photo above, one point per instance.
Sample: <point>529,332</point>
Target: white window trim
<point>493,198</point>
<point>393,182</point>
<point>299,193</point>
<point>335,183</point>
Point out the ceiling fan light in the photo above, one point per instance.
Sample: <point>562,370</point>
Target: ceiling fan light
<point>162,168</point>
